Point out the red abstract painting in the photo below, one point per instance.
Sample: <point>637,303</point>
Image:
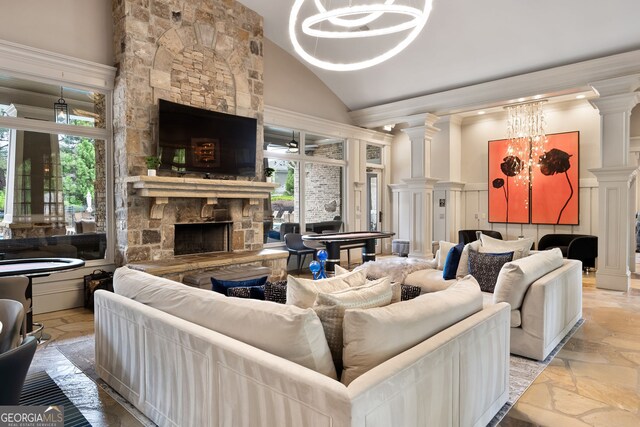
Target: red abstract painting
<point>554,189</point>
<point>508,192</point>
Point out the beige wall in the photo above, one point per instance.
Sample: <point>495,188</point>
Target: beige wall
<point>290,85</point>
<point>79,28</point>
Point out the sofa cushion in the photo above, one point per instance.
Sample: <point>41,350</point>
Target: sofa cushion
<point>451,263</point>
<point>375,335</point>
<point>287,331</point>
<point>253,292</point>
<point>516,316</point>
<point>463,266</point>
<point>408,292</point>
<point>428,280</point>
<point>520,248</point>
<point>331,307</point>
<point>516,276</point>
<point>221,286</point>
<point>303,292</point>
<point>485,267</point>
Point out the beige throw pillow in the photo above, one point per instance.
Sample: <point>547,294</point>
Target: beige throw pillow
<point>520,248</point>
<point>516,276</point>
<point>375,335</point>
<point>331,307</point>
<point>303,292</point>
<point>463,266</point>
<point>442,253</point>
<point>290,332</point>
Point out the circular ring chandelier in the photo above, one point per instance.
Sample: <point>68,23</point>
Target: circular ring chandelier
<point>339,18</point>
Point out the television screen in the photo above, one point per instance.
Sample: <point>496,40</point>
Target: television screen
<point>196,140</point>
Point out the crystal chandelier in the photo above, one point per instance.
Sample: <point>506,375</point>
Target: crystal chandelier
<point>351,22</point>
<point>527,139</point>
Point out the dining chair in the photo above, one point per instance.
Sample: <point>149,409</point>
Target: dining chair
<point>295,245</point>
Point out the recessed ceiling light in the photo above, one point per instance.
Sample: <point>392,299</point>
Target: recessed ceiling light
<point>581,96</point>
<point>537,97</point>
<point>520,99</point>
<point>480,112</point>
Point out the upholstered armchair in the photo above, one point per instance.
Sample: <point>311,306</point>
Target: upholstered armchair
<point>582,247</point>
<point>468,236</point>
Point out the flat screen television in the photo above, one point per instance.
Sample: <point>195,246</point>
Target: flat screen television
<point>196,140</point>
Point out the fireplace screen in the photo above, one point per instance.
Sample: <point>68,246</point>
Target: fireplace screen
<point>201,238</point>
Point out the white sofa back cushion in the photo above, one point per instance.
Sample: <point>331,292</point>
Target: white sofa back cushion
<point>463,266</point>
<point>516,276</point>
<point>375,335</point>
<point>303,292</point>
<point>520,248</point>
<point>287,331</point>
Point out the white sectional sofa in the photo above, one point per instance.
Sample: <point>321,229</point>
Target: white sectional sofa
<point>545,294</point>
<point>180,373</point>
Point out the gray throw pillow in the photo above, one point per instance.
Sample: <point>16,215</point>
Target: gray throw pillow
<point>485,267</point>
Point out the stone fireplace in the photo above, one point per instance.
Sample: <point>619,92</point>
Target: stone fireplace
<point>201,238</point>
<point>202,53</point>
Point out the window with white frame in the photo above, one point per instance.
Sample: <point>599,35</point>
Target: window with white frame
<point>54,164</point>
<point>309,170</point>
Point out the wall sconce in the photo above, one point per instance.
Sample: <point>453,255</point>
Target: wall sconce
<point>61,110</point>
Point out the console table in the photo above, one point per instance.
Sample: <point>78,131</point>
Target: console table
<point>335,241</point>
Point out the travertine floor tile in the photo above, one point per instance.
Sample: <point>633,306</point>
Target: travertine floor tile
<point>573,404</point>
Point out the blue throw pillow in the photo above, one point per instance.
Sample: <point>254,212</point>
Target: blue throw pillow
<point>452,261</point>
<point>485,267</point>
<point>221,286</point>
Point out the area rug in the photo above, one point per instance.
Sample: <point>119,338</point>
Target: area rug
<point>523,372</point>
<point>40,390</point>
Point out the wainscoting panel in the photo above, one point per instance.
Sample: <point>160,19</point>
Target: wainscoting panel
<point>475,204</point>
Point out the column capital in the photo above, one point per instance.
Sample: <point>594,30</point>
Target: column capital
<point>454,119</point>
<point>617,85</point>
<point>421,126</point>
<point>620,103</point>
<point>450,185</point>
<point>614,174</point>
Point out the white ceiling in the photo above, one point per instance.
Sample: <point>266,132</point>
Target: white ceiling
<point>469,41</point>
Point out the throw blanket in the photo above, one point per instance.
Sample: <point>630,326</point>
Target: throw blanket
<point>395,268</point>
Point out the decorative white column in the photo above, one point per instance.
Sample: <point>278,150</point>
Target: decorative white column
<point>447,167</point>
<point>420,185</point>
<point>617,99</point>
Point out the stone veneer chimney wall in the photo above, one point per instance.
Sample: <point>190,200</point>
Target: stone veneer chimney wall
<point>203,53</point>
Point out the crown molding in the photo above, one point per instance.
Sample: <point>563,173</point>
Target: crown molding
<point>40,64</point>
<point>558,80</point>
<point>291,119</point>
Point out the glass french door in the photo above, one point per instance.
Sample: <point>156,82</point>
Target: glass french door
<point>374,203</point>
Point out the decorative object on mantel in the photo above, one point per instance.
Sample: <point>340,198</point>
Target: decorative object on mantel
<point>354,22</point>
<point>61,110</point>
<point>268,174</point>
<point>152,164</point>
<point>550,196</point>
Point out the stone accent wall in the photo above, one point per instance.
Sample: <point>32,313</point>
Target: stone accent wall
<point>203,53</point>
<point>100,185</point>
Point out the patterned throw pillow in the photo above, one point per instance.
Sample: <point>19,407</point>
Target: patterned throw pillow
<point>253,292</point>
<point>276,291</point>
<point>409,292</point>
<point>222,286</point>
<point>485,267</point>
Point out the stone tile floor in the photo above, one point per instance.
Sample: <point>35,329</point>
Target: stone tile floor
<point>593,381</point>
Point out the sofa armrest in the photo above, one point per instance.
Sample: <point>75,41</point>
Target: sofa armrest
<point>179,373</point>
<point>553,303</point>
<point>461,374</point>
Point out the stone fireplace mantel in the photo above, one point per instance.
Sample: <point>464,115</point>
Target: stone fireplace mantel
<point>210,190</point>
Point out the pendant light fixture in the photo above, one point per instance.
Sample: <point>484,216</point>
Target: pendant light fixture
<point>293,146</point>
<point>61,110</point>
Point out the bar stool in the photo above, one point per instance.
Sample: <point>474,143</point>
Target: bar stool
<point>15,288</point>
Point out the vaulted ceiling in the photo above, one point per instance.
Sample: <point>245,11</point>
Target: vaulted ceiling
<point>466,42</point>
